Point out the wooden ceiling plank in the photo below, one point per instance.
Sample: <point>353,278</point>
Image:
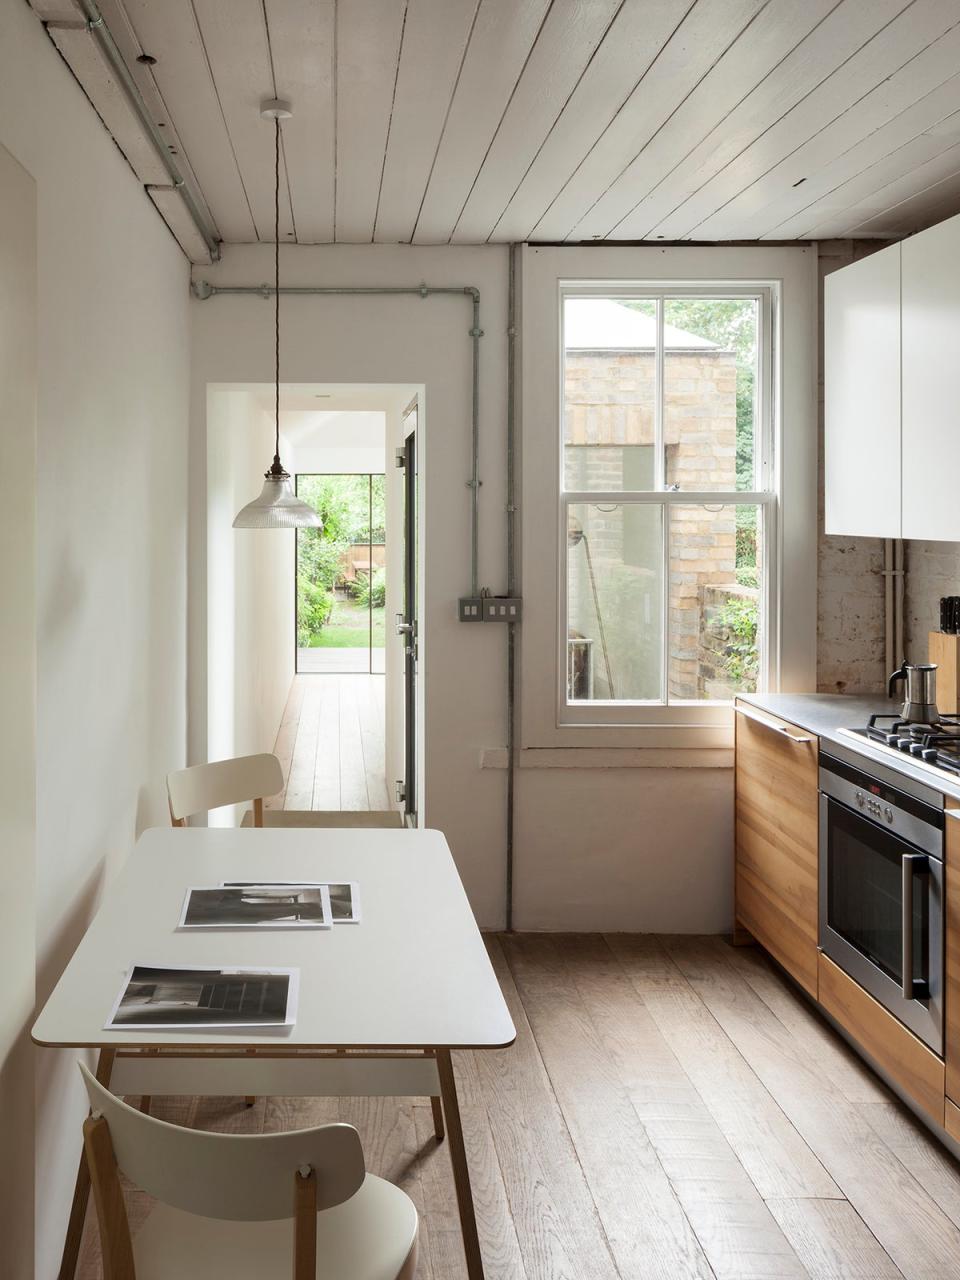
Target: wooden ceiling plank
<point>909,129</point>
<point>926,160</point>
<point>708,29</point>
<point>301,34</point>
<point>823,127</point>
<point>502,39</point>
<point>570,35</point>
<point>368,52</point>
<point>820,53</point>
<point>435,41</point>
<point>235,39</point>
<point>921,209</point>
<point>169,33</point>
<point>637,35</point>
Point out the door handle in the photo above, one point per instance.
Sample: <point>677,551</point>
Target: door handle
<point>741,710</point>
<point>405,628</point>
<point>912,862</point>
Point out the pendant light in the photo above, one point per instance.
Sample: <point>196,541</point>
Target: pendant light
<point>277,507</point>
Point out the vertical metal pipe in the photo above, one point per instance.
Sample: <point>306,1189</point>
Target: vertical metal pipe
<point>889,659</point>
<point>511,575</point>
<point>476,334</point>
<point>899,597</point>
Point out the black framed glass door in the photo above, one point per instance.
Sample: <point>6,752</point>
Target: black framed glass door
<point>341,575</point>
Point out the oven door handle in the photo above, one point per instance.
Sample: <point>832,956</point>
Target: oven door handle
<point>911,864</point>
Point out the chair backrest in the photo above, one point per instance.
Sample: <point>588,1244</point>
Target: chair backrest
<point>226,1175</point>
<point>210,786</point>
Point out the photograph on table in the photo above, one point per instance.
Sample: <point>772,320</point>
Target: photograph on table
<point>344,896</point>
<point>174,996</point>
<point>257,906</point>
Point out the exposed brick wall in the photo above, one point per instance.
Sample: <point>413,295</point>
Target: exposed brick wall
<point>609,406</point>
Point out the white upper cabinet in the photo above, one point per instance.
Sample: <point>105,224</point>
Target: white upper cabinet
<point>861,371</point>
<point>931,383</point>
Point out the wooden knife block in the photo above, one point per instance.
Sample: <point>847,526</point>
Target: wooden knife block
<point>944,650</point>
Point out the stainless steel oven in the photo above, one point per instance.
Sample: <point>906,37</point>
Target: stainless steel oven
<point>881,888</point>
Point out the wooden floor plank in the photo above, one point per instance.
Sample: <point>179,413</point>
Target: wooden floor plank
<point>932,1166</point>
<point>736,1230</point>
<point>882,1191</point>
<point>303,767</point>
<point>777,1159</point>
<point>557,1222</point>
<point>649,1233</point>
<point>610,1123</point>
<point>353,778</point>
<point>326,756</point>
<point>287,738</point>
<point>833,1240</point>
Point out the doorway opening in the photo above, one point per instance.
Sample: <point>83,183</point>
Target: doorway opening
<point>341,575</point>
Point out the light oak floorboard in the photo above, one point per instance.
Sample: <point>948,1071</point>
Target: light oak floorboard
<point>887,1196</point>
<point>735,1228</point>
<point>611,1122</point>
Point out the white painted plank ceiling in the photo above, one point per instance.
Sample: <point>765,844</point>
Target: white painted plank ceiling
<point>436,121</point>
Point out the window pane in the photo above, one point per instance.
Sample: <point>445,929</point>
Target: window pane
<point>609,392</point>
<point>714,602</point>
<point>710,392</point>
<point>614,602</point>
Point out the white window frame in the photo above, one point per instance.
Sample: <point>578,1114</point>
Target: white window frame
<point>786,279</point>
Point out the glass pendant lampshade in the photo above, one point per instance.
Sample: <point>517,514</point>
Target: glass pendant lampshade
<point>277,507</point>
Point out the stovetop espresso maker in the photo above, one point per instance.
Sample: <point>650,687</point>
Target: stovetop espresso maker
<point>920,691</point>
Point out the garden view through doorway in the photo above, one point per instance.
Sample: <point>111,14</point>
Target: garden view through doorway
<point>341,575</point>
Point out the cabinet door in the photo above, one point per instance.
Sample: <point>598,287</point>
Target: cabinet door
<point>861,373</point>
<point>931,382</point>
<point>776,837</point>
<point>951,992</point>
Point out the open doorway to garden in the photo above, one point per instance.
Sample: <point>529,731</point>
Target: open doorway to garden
<point>341,575</point>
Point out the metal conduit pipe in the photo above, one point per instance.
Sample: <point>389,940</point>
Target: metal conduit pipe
<point>511,576</point>
<point>202,289</point>
<point>114,58</point>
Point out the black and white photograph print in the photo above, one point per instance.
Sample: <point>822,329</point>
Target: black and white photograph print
<point>344,898</point>
<point>257,906</point>
<point>177,997</point>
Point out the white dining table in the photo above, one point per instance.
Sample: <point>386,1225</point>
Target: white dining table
<point>382,1003</point>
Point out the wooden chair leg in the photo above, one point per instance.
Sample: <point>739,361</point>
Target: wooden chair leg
<point>305,1225</point>
<point>115,1243</point>
<point>436,1106</point>
<point>81,1191</point>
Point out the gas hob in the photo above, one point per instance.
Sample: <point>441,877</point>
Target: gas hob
<point>935,745</point>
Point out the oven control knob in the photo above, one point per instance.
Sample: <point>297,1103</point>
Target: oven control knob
<point>861,799</point>
<point>888,814</point>
<point>930,755</point>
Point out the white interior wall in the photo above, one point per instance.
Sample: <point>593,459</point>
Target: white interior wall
<point>113,370</point>
<point>18,822</point>
<point>610,858</point>
<point>250,583</point>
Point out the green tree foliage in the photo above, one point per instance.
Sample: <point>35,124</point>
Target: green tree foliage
<point>353,511</point>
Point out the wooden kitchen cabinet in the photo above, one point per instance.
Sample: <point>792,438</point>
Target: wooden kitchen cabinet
<point>930,388</point>
<point>951,994</point>
<point>861,371</point>
<point>776,839</point>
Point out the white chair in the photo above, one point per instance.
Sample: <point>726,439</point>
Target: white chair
<point>243,1207</point>
<point>252,778</point>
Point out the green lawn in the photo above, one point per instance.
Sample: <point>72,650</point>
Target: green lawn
<point>349,628</point>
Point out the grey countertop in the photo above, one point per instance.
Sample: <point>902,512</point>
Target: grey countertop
<point>825,713</point>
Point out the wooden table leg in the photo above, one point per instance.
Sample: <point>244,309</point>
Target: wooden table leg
<point>458,1158</point>
<point>81,1191</point>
